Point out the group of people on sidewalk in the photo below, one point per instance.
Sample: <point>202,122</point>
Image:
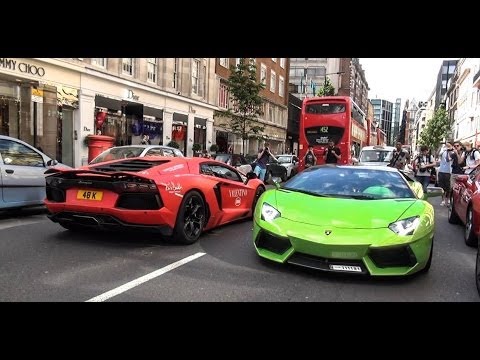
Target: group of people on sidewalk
<point>454,159</point>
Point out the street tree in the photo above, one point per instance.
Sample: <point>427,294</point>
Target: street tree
<point>436,130</point>
<point>245,106</point>
<point>326,89</point>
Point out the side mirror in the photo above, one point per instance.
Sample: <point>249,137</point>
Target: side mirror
<point>52,162</point>
<point>433,191</point>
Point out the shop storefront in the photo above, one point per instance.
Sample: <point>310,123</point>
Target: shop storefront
<point>37,107</point>
<point>179,131</point>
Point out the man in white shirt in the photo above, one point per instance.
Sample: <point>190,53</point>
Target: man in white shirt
<point>472,158</point>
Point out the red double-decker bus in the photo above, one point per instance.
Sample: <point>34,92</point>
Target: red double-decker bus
<point>335,118</point>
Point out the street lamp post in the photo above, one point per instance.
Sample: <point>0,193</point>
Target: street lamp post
<point>325,81</point>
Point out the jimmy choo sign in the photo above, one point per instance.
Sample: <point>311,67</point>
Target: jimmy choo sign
<point>21,67</point>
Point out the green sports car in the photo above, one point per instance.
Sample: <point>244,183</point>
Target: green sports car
<point>352,219</point>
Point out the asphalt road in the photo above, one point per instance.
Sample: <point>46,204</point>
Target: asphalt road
<point>40,261</point>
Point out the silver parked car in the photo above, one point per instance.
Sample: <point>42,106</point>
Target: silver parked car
<point>22,173</point>
<point>128,151</point>
<point>290,162</point>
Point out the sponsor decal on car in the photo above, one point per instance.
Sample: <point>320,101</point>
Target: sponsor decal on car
<point>171,187</point>
<point>238,193</point>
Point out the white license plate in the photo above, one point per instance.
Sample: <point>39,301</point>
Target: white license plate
<point>346,268</point>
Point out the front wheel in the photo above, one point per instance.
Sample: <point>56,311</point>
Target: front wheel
<point>452,215</point>
<point>190,219</point>
<point>470,237</point>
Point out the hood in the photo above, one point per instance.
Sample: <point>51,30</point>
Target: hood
<point>340,212</point>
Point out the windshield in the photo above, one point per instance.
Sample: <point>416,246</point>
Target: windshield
<point>118,153</point>
<point>376,155</point>
<point>284,159</point>
<point>325,108</point>
<point>350,182</point>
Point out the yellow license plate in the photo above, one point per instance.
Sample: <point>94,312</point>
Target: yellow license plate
<point>89,195</point>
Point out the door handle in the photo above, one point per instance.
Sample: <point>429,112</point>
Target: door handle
<point>9,171</point>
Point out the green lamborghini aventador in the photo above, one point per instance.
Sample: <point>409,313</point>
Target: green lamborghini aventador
<point>351,219</point>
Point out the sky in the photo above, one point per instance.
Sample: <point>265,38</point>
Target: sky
<point>405,78</point>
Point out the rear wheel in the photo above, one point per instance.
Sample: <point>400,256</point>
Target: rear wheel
<point>452,215</point>
<point>470,237</point>
<point>190,219</point>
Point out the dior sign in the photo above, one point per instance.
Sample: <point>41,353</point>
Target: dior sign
<point>22,67</point>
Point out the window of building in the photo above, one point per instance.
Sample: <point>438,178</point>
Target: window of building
<point>274,60</point>
<point>224,62</point>
<point>223,96</point>
<point>263,74</point>
<point>175,73</point>
<point>127,66</point>
<point>195,76</point>
<point>237,61</point>
<point>152,70</point>
<point>281,86</point>
<point>100,62</point>
<point>273,81</point>
<point>282,63</point>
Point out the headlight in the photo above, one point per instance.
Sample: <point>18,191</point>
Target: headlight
<point>406,226</point>
<point>269,213</point>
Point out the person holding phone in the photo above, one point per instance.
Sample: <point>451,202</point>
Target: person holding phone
<point>332,153</point>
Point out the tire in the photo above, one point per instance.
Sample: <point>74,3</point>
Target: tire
<point>260,190</point>
<point>190,219</point>
<point>470,237</point>
<point>452,215</point>
<point>477,270</point>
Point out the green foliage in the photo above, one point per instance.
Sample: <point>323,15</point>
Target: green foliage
<point>196,147</point>
<point>437,129</point>
<point>174,144</point>
<point>326,90</point>
<point>244,90</point>
<point>214,148</point>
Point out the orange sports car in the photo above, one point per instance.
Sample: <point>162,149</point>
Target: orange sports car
<point>177,197</point>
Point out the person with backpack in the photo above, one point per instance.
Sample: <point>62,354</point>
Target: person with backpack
<point>400,157</point>
<point>424,163</point>
<point>472,158</point>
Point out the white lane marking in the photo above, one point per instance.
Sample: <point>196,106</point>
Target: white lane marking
<point>12,223</point>
<point>145,278</point>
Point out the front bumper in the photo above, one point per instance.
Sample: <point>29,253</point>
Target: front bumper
<point>378,252</point>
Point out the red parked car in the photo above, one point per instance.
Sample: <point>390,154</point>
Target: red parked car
<point>173,196</point>
<point>465,206</point>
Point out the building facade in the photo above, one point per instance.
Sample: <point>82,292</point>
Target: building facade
<point>446,71</point>
<point>55,104</point>
<point>383,114</point>
<point>273,72</point>
<point>293,126</point>
<point>396,120</point>
<point>353,82</point>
